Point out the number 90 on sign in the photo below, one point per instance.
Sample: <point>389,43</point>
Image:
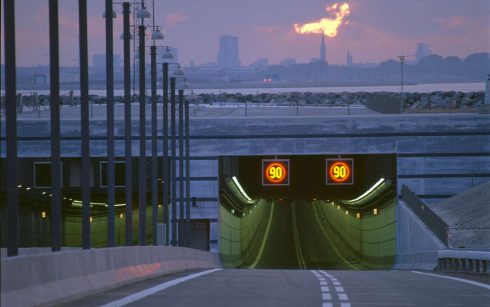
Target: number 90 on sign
<point>275,172</point>
<point>339,171</point>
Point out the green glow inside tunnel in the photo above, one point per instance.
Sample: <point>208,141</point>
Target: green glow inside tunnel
<point>305,234</point>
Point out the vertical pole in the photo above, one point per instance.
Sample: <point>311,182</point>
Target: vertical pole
<point>110,124</point>
<point>174,161</point>
<point>55,126</point>
<point>11,130</point>
<point>128,172</point>
<point>154,149</point>
<point>181,162</point>
<point>166,168</point>
<point>187,173</point>
<point>84,105</point>
<point>142,160</point>
<point>402,60</point>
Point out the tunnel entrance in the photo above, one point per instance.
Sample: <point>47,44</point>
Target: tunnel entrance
<point>308,212</point>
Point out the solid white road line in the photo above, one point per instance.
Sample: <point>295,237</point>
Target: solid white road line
<point>261,250</point>
<point>142,294</point>
<point>466,281</point>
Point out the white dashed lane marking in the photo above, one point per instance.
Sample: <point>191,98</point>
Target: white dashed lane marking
<point>333,295</point>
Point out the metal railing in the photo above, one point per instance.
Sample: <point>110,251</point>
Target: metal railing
<point>426,215</point>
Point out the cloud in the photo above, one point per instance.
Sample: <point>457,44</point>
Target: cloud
<point>174,18</point>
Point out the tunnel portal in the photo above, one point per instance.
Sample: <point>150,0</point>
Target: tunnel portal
<point>308,212</point>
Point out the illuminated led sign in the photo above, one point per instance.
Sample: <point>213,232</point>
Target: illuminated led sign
<point>275,172</point>
<point>339,171</point>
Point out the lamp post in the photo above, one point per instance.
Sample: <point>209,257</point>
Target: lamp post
<point>142,14</point>
<point>156,35</point>
<point>54,59</point>
<point>110,124</point>
<point>402,61</point>
<point>127,125</point>
<point>11,130</point>
<point>186,85</point>
<point>84,110</point>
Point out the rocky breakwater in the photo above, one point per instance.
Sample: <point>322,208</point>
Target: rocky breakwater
<point>434,100</point>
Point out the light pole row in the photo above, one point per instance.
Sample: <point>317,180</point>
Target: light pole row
<point>169,167</point>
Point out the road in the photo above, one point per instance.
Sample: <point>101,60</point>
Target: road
<point>245,287</point>
<point>297,240</point>
<point>290,272</point>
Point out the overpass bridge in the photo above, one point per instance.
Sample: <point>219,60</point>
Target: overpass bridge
<point>309,231</point>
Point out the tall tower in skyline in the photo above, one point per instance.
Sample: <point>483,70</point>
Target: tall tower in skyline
<point>422,50</point>
<point>323,50</point>
<point>349,59</point>
<point>228,56</point>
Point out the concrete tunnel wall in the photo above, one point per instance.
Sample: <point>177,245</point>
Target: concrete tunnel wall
<point>438,155</point>
<point>366,242</point>
<point>241,236</point>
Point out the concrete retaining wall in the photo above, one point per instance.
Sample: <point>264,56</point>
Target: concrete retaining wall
<point>59,277</point>
<point>369,241</point>
<point>417,246</point>
<point>240,237</point>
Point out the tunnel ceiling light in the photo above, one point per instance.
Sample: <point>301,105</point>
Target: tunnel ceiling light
<point>358,215</point>
<point>43,214</point>
<point>375,211</point>
<point>368,192</point>
<point>235,180</point>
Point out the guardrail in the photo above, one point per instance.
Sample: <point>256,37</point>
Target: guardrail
<point>467,261</point>
<point>426,215</point>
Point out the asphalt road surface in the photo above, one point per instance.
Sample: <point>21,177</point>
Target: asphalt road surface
<point>246,287</point>
<point>297,240</point>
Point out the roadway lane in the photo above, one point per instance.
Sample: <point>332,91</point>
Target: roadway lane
<point>297,240</point>
<point>317,288</point>
<point>280,249</point>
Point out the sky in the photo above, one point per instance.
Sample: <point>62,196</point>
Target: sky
<point>377,30</point>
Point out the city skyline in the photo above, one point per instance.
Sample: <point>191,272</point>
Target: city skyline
<point>375,32</point>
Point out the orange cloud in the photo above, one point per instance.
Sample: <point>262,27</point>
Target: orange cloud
<point>174,18</point>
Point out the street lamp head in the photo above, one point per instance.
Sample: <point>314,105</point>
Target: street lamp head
<point>113,14</point>
<point>157,35</point>
<point>185,85</point>
<point>143,13</point>
<point>167,55</point>
<point>178,71</point>
<point>130,36</point>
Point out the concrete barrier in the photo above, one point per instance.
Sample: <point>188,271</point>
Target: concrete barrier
<point>464,261</point>
<point>417,247</point>
<point>55,278</point>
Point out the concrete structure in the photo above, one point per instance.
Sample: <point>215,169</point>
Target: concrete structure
<point>438,155</point>
<point>323,50</point>
<point>228,54</point>
<point>47,278</point>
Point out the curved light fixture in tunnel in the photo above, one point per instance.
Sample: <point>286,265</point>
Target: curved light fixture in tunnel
<point>239,186</point>
<point>372,189</point>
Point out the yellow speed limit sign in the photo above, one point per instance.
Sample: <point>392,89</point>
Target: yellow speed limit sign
<point>275,172</point>
<point>339,171</point>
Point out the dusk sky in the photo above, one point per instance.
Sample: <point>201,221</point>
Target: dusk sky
<point>377,30</point>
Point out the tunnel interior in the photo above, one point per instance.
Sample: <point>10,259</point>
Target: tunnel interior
<point>309,219</point>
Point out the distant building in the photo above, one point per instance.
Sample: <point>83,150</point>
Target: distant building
<point>349,60</point>
<point>323,50</point>
<point>288,62</point>
<point>422,51</point>
<point>228,55</point>
<point>260,64</point>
